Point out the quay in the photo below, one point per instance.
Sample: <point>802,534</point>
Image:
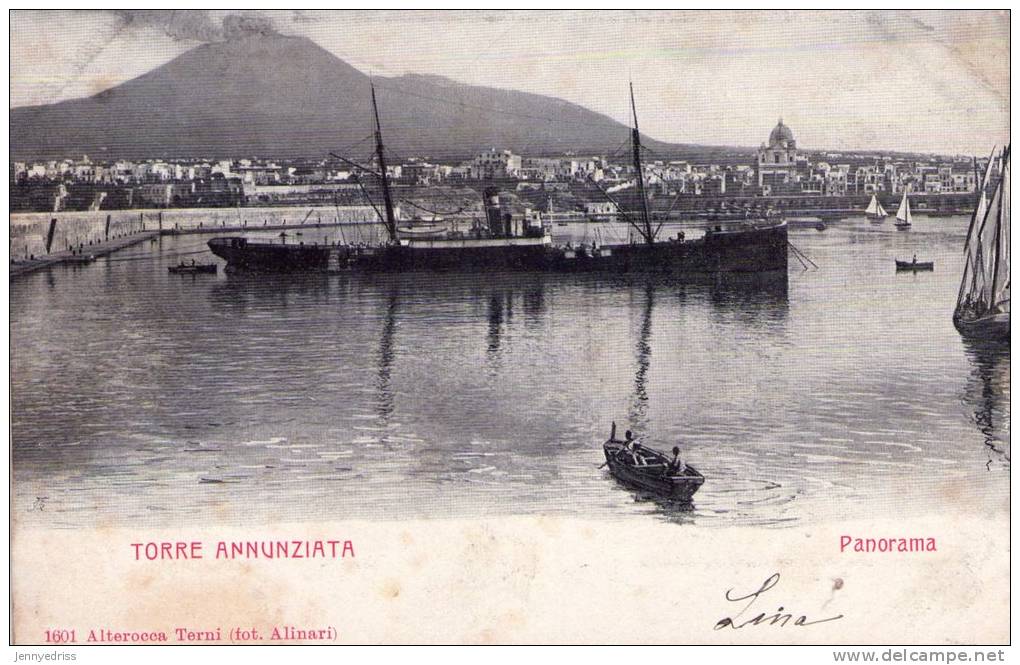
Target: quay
<point>87,253</point>
<point>246,228</point>
<point>95,251</point>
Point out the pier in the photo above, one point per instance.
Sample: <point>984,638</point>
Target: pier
<point>250,228</point>
<point>83,255</point>
<point>88,253</point>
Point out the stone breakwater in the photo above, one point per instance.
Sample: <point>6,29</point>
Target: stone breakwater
<point>28,231</point>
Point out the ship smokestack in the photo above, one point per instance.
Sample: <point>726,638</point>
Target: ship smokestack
<point>493,215</point>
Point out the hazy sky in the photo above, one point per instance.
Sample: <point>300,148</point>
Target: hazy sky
<point>926,81</point>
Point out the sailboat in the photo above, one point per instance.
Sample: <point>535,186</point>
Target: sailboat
<point>982,305</point>
<point>875,212</point>
<point>903,216</point>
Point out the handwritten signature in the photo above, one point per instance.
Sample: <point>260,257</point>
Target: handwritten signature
<point>781,617</point>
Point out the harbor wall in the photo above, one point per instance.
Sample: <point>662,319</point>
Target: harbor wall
<point>28,230</point>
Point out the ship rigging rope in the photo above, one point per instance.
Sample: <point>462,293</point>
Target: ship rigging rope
<point>434,212</point>
<point>355,144</point>
<point>617,151</point>
<point>439,195</point>
<point>801,256</point>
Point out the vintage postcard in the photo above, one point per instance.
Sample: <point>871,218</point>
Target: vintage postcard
<point>574,327</point>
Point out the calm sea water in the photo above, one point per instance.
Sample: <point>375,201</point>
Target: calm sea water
<point>144,398</point>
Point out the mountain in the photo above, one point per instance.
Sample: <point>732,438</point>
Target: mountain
<point>283,96</point>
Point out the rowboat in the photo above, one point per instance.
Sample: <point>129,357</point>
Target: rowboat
<point>915,265</point>
<point>806,221</point>
<point>192,269</point>
<point>648,469</point>
<point>423,231</point>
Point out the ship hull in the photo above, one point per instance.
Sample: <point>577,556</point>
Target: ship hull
<point>991,327</point>
<point>747,250</point>
<point>240,254</point>
<point>753,250</point>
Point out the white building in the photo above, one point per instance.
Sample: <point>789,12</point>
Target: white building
<point>601,210</point>
<point>495,164</point>
<point>777,160</point>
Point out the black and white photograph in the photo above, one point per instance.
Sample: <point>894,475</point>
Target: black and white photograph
<point>501,327</point>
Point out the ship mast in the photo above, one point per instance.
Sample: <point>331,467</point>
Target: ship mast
<point>970,268</point>
<point>391,221</point>
<point>998,230</point>
<point>648,234</point>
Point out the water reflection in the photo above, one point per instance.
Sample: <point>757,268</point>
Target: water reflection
<point>380,397</point>
<point>244,294</point>
<point>387,354</point>
<point>754,300</point>
<point>987,394</point>
<point>496,300</point>
<point>668,510</point>
<point>752,303</point>
<point>534,302</point>
<point>639,404</point>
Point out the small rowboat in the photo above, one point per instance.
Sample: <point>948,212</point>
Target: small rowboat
<point>422,231</point>
<point>192,269</point>
<point>651,471</point>
<point>915,265</point>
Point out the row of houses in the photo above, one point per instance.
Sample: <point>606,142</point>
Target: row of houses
<point>779,169</point>
<point>159,171</point>
<point>497,164</point>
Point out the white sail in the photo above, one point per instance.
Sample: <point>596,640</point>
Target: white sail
<point>903,214</point>
<point>986,279</point>
<point>982,206</point>
<point>875,208</point>
<point>973,270</point>
<point>1000,278</point>
<point>984,256</point>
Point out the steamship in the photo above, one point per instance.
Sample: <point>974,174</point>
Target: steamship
<point>502,243</point>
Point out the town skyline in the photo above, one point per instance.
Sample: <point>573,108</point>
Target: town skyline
<point>778,169</point>
<point>690,71</point>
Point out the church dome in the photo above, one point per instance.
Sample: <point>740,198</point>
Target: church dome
<point>780,134</point>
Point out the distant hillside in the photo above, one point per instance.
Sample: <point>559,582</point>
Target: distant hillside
<point>281,96</point>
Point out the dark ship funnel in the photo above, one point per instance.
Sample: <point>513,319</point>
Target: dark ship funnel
<point>493,216</point>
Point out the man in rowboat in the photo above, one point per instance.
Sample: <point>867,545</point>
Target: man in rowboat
<point>631,446</point>
<point>676,465</point>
